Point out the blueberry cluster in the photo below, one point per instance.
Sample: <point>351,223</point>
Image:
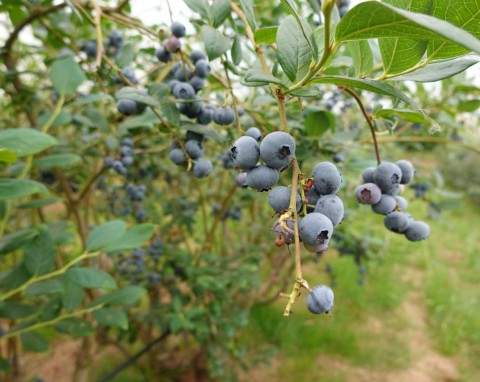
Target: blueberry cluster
<point>129,74</point>
<point>380,190</point>
<point>130,107</point>
<point>172,44</point>
<point>134,265</point>
<point>191,147</point>
<point>112,45</point>
<point>126,157</point>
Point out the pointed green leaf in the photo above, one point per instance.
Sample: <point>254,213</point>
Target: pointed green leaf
<point>199,6</point>
<point>267,35</point>
<point>123,297</point>
<point>134,237</point>
<point>34,341</point>
<point>257,77</point>
<point>247,6</point>
<point>17,188</point>
<point>408,115</point>
<point>7,156</point>
<point>138,95</point>
<point>16,239</point>
<point>111,317</point>
<point>362,57</point>
<point>219,11</point>
<point>107,234</point>
<point>25,141</point>
<point>237,50</point>
<point>58,161</point>
<point>40,253</point>
<point>91,278</point>
<point>75,327</point>
<point>66,75</point>
<point>215,42</point>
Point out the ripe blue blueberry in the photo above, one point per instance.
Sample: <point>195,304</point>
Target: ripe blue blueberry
<point>172,84</point>
<point>129,73</point>
<point>241,180</point>
<point>202,167</point>
<point>386,205</point>
<point>223,116</point>
<point>108,162</point>
<point>197,55</point>
<point>312,197</point>
<point>396,222</point>
<point>262,178</point>
<point>387,176</point>
<point>191,109</point>
<point>320,300</point>
<point>177,156</point>
<point>315,228</point>
<point>202,68</point>
<point>417,231</point>
<point>182,74</point>
<point>127,160</point>
<point>279,199</point>
<point>401,203</point>
<point>126,142</point>
<point>193,135</point>
<point>255,133</point>
<point>90,48</point>
<point>127,107</point>
<point>277,149</point>
<point>407,171</point>
<point>163,55</point>
<point>368,193</point>
<point>184,91</point>
<point>205,116</point>
<point>367,174</point>
<point>319,249</point>
<point>245,152</point>
<point>332,207</point>
<point>197,83</point>
<point>326,178</point>
<point>178,29</point>
<point>194,149</point>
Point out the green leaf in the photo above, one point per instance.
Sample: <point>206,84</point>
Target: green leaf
<point>90,98</point>
<point>5,366</point>
<point>400,54</point>
<point>38,203</point>
<point>16,277</point>
<point>469,105</point>
<point>303,26</point>
<point>39,253</point>
<point>122,297</point>
<point>73,296</point>
<point>439,70</point>
<point>146,119</point>
<point>385,20</point>
<point>317,122</point>
<point>362,57</point>
<point>134,237</point>
<point>138,95</point>
<point>267,35</point>
<point>111,317</point>
<point>15,310</point>
<point>464,14</point>
<point>202,129</point>
<point>58,161</point>
<point>17,188</point>
<point>126,55</point>
<point>24,141</point>
<point>294,54</point>
<point>237,50</point>
<point>219,11</point>
<point>34,341</point>
<point>215,42</point>
<point>171,113</point>
<point>106,234</point>
<point>91,278</point>
<point>408,115</point>
<point>62,119</point>
<point>45,287</point>
<point>199,6</point>
<point>378,87</point>
<point>14,240</point>
<point>247,6</point>
<point>66,75</point>
<point>7,156</point>
<point>75,327</point>
<point>257,77</point>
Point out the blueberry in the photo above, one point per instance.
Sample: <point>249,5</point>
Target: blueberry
<point>202,68</point>
<point>172,84</point>
<point>332,207</point>
<point>312,196</point>
<point>386,205</point>
<point>226,158</point>
<point>277,149</point>
<point>241,180</point>
<point>202,167</point>
<point>126,142</point>
<point>127,160</point>
<point>197,83</point>
<point>183,74</point>
<point>129,73</point>
<point>255,133</point>
<point>191,109</point>
<point>223,116</point>
<point>177,156</point>
<point>320,299</point>
<point>367,174</point>
<point>417,231</point>
<point>127,107</point>
<point>339,158</point>
<point>153,278</point>
<point>396,222</point>
<point>197,55</point>
<point>240,111</point>
<point>172,44</point>
<point>286,234</point>
<point>319,249</point>
<point>194,149</point>
<point>184,91</point>
<point>90,48</point>
<point>108,162</point>
<point>326,178</point>
<point>262,178</point>
<point>119,167</point>
<point>126,151</point>
<point>401,203</point>
<point>178,29</point>
<point>115,39</point>
<point>387,176</point>
<point>407,171</point>
<point>315,228</point>
<point>193,135</point>
<point>163,55</point>
<point>368,193</point>
<point>205,116</point>
<point>245,152</point>
<point>279,199</point>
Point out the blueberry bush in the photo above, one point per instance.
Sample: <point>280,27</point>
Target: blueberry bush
<point>158,181</point>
